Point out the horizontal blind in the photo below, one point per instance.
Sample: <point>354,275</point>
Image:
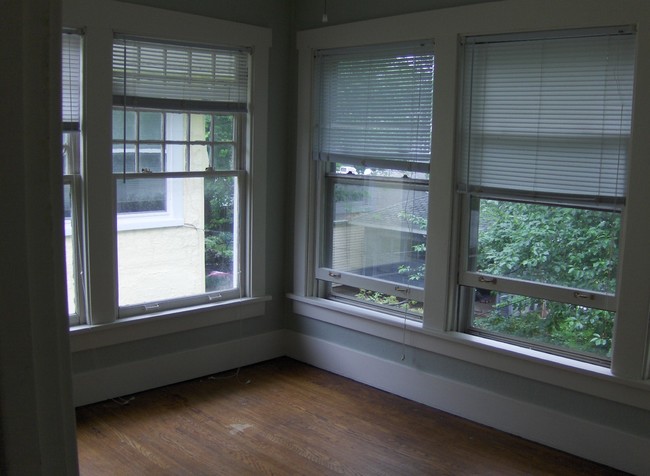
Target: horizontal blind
<point>548,116</point>
<point>375,103</point>
<point>148,73</point>
<point>71,80</point>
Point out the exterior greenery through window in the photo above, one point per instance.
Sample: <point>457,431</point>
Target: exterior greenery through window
<point>572,247</point>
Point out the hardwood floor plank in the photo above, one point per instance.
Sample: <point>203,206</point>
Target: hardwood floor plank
<point>284,417</point>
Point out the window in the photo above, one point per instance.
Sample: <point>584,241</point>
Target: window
<point>179,121</point>
<point>71,155</point>
<point>545,128</point>
<point>372,144</point>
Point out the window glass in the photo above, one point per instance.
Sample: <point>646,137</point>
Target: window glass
<point>562,326</point>
<point>197,256</point>
<point>573,247</point>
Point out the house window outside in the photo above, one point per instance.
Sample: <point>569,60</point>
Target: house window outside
<point>179,122</point>
<point>545,130</point>
<point>372,146</point>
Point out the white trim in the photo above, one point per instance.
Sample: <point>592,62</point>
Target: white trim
<point>550,369</point>
<point>168,322</point>
<point>137,376</point>
<point>610,446</point>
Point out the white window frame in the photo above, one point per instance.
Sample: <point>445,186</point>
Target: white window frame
<point>99,19</point>
<point>404,168</point>
<point>72,86</point>
<point>480,180</point>
<point>439,331</point>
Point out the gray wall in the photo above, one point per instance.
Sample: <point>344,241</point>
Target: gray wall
<point>309,13</point>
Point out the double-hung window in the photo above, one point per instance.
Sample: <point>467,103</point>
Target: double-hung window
<point>179,128</point>
<point>71,154</point>
<point>542,180</point>
<point>372,146</point>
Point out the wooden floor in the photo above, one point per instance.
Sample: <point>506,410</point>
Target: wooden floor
<point>283,417</point>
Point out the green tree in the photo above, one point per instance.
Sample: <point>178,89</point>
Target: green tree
<point>219,205</point>
<point>571,247</point>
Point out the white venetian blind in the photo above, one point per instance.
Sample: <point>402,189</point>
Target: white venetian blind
<point>375,103</point>
<point>70,80</point>
<point>149,73</point>
<point>548,116</point>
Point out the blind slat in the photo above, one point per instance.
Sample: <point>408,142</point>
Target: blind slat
<point>375,103</point>
<point>149,69</point>
<point>71,80</point>
<point>548,116</point>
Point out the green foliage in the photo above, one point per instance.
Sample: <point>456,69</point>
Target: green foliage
<point>565,246</point>
<point>415,273</point>
<point>388,300</point>
<point>219,196</point>
<point>570,247</point>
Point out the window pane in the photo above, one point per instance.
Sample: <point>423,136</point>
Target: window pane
<point>220,233</point>
<point>576,328</point>
<point>121,165</point>
<point>119,125</point>
<point>176,126</point>
<point>175,156</point>
<point>199,157</point>
<point>150,126</point>
<point>224,157</point>
<point>377,230</point>
<point>571,247</point>
<point>415,309</point>
<point>224,130</point>
<point>193,257</point>
<point>150,158</point>
<point>200,128</point>
<point>140,195</point>
<point>70,143</point>
<point>69,250</point>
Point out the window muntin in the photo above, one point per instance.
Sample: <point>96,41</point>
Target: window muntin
<point>545,127</point>
<point>179,173</point>
<point>372,141</point>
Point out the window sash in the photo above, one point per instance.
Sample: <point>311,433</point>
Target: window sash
<point>375,103</point>
<point>548,117</point>
<point>328,271</point>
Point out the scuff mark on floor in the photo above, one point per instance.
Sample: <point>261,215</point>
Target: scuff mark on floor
<point>237,428</point>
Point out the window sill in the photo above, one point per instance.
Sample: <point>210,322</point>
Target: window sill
<point>130,329</point>
<point>561,371</point>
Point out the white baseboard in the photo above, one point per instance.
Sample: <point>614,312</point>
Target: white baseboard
<point>137,376</point>
<point>587,439</point>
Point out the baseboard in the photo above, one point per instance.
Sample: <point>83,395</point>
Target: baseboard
<point>111,382</point>
<point>587,439</point>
